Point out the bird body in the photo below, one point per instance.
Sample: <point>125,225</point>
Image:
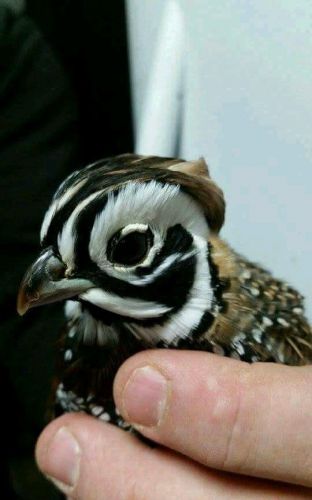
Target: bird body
<point>133,243</point>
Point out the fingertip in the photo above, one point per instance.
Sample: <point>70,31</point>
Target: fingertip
<point>238,416</point>
<point>58,453</point>
<point>44,439</point>
<point>172,364</point>
<point>137,361</point>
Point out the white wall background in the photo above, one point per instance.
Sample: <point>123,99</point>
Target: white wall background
<point>243,100</point>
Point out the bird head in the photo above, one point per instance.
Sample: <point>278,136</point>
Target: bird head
<point>126,239</point>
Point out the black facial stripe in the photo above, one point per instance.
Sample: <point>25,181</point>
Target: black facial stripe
<point>196,333</point>
<point>78,175</point>
<point>203,326</point>
<point>84,226</point>
<point>178,240</point>
<point>110,318</point>
<point>218,285</point>
<point>180,275</point>
<point>96,181</point>
<point>102,176</point>
<point>62,215</point>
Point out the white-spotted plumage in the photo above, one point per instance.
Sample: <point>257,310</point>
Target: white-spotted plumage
<point>72,309</point>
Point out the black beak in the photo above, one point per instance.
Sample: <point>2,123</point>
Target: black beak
<point>45,282</point>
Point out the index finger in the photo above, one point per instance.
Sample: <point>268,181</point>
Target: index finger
<point>251,419</point>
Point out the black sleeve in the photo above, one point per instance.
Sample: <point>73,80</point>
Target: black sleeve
<point>38,147</point>
<point>64,100</point>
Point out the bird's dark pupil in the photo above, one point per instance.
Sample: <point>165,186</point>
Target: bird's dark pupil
<point>129,249</point>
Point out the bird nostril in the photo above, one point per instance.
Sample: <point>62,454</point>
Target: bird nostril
<point>56,269</point>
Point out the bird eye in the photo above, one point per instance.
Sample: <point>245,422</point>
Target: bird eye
<point>130,249</point>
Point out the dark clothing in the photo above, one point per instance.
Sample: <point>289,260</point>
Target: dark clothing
<point>62,103</point>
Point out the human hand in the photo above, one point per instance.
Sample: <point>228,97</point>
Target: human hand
<point>215,416</point>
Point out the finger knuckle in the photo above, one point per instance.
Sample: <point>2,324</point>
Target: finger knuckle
<point>239,441</point>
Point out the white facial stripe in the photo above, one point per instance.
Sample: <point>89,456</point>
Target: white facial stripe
<point>65,181</point>
<point>133,308</point>
<point>200,300</point>
<point>66,239</point>
<point>157,245</point>
<point>71,192</point>
<point>47,220</point>
<point>138,203</point>
<point>145,280</point>
<point>57,204</point>
<point>144,204</point>
<point>141,228</point>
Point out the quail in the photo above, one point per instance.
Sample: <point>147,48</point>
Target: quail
<point>131,243</point>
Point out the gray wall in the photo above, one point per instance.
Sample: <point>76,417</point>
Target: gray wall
<point>246,107</point>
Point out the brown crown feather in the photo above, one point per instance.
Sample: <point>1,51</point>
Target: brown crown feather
<point>193,176</point>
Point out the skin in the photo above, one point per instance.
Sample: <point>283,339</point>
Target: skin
<point>225,429</point>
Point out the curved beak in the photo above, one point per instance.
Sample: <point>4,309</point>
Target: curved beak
<point>45,282</point>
